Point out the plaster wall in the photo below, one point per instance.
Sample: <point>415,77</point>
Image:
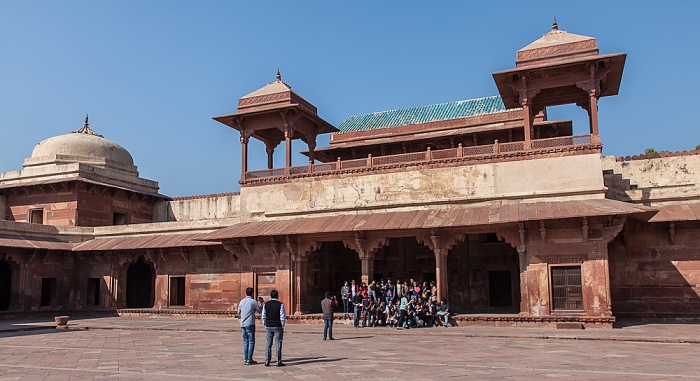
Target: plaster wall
<point>3,205</point>
<point>196,209</point>
<point>414,186</point>
<point>657,180</point>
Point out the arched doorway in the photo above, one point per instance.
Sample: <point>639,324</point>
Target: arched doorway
<point>140,283</point>
<point>327,269</point>
<point>5,285</point>
<point>484,275</point>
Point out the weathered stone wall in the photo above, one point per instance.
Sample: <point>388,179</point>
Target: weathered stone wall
<point>652,181</point>
<point>554,177</point>
<point>651,276</point>
<point>198,208</point>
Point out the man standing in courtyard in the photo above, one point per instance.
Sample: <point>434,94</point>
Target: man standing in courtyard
<point>327,305</point>
<point>246,313</point>
<point>273,317</point>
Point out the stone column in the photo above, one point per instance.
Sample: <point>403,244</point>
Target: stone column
<point>299,263</point>
<point>245,137</point>
<point>270,155</point>
<point>441,273</point>
<point>524,288</point>
<point>288,134</point>
<point>594,113</point>
<point>367,267</point>
<point>312,147</point>
<point>527,119</point>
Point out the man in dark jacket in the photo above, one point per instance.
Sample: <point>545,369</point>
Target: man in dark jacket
<point>273,318</point>
<point>327,305</point>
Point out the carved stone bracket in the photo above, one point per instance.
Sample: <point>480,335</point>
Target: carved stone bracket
<point>275,246</point>
<point>584,229</point>
<point>616,226</point>
<point>672,232</point>
<point>543,231</point>
<point>513,235</point>
<point>235,250</point>
<point>149,256</point>
<point>365,246</point>
<point>184,253</point>
<point>443,242</point>
<point>209,253</point>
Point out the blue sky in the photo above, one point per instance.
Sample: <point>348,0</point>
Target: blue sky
<point>151,74</point>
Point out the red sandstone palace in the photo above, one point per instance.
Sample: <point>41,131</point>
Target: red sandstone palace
<point>513,216</point>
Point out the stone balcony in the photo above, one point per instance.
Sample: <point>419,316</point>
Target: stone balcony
<point>467,155</point>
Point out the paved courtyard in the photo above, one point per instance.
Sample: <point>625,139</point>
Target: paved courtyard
<point>211,349</point>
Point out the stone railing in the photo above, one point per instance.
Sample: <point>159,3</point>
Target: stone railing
<point>424,157</point>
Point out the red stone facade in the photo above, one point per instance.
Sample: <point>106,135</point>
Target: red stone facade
<point>79,204</point>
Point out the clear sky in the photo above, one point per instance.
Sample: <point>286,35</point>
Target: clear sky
<point>151,74</point>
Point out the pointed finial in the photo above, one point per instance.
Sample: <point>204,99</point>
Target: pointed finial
<point>279,76</point>
<point>554,24</point>
<point>86,129</point>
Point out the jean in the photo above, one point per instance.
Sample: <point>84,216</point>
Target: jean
<point>446,315</point>
<point>345,306</point>
<point>248,342</point>
<point>358,310</point>
<point>275,333</point>
<point>402,318</point>
<point>327,328</point>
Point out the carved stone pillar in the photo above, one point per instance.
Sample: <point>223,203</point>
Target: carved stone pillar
<point>441,273</point>
<point>312,148</point>
<point>245,137</point>
<point>366,249</point>
<point>441,245</point>
<point>270,154</point>
<point>288,134</point>
<point>515,235</point>
<point>298,251</point>
<point>299,267</point>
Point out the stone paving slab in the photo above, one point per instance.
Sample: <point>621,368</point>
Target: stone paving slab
<point>211,349</point>
<point>626,330</point>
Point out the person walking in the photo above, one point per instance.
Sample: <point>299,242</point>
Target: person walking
<point>246,314</point>
<point>327,305</point>
<point>273,318</point>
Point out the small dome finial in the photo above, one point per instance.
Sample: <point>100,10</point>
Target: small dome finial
<point>279,76</point>
<point>86,129</point>
<point>555,26</point>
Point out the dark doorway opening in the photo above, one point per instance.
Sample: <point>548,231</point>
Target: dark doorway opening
<point>177,290</point>
<point>48,292</point>
<point>327,269</point>
<point>5,285</point>
<point>140,284</point>
<point>500,289</point>
<point>93,292</point>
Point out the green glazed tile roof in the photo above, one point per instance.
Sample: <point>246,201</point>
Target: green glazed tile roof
<point>423,114</point>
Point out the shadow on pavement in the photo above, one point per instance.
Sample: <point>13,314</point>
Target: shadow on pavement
<point>311,360</point>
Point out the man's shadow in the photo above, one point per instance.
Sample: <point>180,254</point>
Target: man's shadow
<point>311,360</point>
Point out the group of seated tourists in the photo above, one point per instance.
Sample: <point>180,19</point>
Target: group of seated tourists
<point>400,304</point>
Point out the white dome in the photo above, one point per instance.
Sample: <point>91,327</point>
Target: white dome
<point>81,146</point>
